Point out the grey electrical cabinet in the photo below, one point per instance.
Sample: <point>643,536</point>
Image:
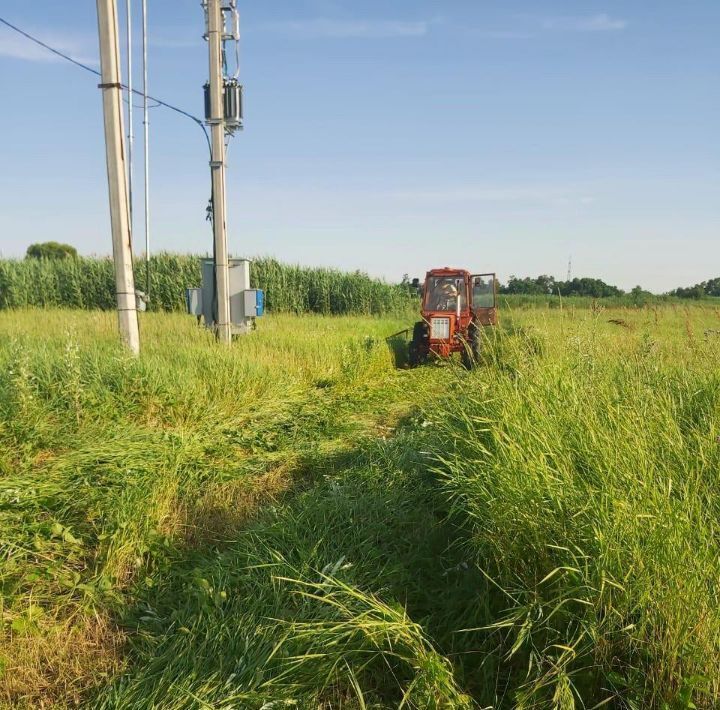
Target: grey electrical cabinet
<point>254,303</point>
<point>245,303</point>
<point>208,292</point>
<point>239,282</point>
<point>194,301</point>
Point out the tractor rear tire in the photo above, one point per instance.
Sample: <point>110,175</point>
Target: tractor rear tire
<point>418,350</point>
<point>473,347</point>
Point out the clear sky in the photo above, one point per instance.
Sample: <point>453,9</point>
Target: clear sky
<point>396,136</point>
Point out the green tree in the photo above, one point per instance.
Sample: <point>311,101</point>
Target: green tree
<point>51,250</point>
<point>546,285</point>
<point>540,286</point>
<point>640,296</point>
<point>696,292</point>
<point>595,288</point>
<point>712,287</point>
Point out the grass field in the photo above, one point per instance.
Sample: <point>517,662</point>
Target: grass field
<point>297,522</point>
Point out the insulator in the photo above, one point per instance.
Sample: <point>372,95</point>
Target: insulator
<point>231,20</point>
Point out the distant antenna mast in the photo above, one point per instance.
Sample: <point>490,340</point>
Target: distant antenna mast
<point>569,273</point>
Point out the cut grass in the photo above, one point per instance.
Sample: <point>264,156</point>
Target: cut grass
<point>110,463</point>
<point>296,521</point>
<point>52,661</point>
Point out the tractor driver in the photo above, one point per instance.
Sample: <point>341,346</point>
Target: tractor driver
<point>447,298</point>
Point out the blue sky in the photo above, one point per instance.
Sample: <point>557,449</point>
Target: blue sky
<point>396,136</point>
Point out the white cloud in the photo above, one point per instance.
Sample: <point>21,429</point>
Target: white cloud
<point>591,23</point>
<point>15,46</point>
<point>530,26</point>
<point>324,28</point>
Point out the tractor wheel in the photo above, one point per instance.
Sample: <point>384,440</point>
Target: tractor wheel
<point>417,352</point>
<point>472,350</point>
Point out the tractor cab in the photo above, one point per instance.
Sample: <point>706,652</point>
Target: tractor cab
<point>445,293</point>
<point>455,306</point>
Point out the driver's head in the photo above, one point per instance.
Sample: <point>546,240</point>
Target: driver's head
<point>448,290</point>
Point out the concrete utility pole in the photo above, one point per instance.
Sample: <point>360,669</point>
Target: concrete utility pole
<point>216,27</point>
<point>117,185</point>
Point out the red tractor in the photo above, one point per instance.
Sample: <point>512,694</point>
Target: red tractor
<point>456,305</point>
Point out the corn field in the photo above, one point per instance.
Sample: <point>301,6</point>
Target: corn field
<point>88,283</point>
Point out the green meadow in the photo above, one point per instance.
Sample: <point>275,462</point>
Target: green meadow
<point>300,521</point>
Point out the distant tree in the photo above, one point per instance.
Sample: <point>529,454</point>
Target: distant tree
<point>547,285</point>
<point>712,287</point>
<point>595,288</point>
<point>696,292</point>
<point>640,296</point>
<point>51,250</point>
<point>516,285</point>
<point>540,286</point>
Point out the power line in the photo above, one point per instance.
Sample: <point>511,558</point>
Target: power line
<point>49,48</point>
<point>141,105</point>
<point>97,73</point>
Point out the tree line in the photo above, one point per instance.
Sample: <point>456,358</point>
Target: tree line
<point>701,290</point>
<point>597,288</point>
<point>548,286</point>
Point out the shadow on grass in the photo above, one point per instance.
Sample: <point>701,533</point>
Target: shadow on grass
<point>349,583</point>
<point>398,345</point>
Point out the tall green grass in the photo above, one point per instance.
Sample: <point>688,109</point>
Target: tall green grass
<point>586,480</point>
<point>88,283</point>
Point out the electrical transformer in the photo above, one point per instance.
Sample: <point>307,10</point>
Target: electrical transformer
<point>232,100</point>
<point>232,104</point>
